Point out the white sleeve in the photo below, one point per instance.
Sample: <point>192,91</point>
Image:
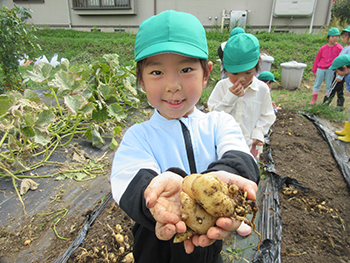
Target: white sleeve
<point>221,98</point>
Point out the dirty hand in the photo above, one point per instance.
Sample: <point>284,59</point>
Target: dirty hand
<point>237,89</point>
<point>163,200</point>
<point>224,225</point>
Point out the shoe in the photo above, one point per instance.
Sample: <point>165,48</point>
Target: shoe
<point>314,98</point>
<point>244,230</point>
<point>338,108</point>
<point>345,130</point>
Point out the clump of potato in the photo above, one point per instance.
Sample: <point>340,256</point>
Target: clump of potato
<point>205,198</point>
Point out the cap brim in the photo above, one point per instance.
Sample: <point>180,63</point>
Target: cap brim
<point>172,47</point>
<point>241,67</point>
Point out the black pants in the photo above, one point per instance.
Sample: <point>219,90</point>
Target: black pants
<point>336,88</point>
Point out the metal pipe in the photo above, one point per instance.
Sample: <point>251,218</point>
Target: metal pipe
<point>155,7</point>
<point>69,18</point>
<point>313,17</point>
<point>271,17</point>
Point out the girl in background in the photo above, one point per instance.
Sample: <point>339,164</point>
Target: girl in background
<point>324,58</point>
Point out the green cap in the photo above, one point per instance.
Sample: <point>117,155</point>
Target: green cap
<point>340,61</point>
<point>346,29</point>
<point>171,32</point>
<point>236,30</point>
<point>333,32</point>
<point>266,75</point>
<point>241,53</point>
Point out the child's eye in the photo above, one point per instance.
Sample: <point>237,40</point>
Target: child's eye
<point>186,70</point>
<point>156,72</point>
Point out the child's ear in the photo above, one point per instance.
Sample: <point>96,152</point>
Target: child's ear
<point>138,75</point>
<point>210,67</point>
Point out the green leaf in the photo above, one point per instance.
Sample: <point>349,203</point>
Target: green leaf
<point>27,131</point>
<point>41,138</point>
<point>31,95</point>
<point>114,144</point>
<point>105,67</point>
<point>29,119</point>
<point>39,74</point>
<point>96,137</point>
<point>45,118</point>
<point>75,102</point>
<point>100,115</point>
<point>117,130</point>
<point>88,108</point>
<point>106,90</point>
<point>114,109</point>
<point>65,64</point>
<point>5,104</point>
<point>79,176</point>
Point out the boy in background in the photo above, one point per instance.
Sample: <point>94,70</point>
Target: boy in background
<point>341,65</point>
<point>269,79</point>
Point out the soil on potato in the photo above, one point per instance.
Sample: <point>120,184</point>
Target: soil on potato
<point>315,224</point>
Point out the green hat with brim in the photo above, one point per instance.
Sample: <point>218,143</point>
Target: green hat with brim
<point>267,76</point>
<point>171,32</point>
<point>333,32</point>
<point>346,29</point>
<point>340,61</point>
<point>236,30</point>
<point>241,53</point>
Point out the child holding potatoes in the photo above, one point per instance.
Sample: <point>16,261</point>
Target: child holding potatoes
<point>154,156</point>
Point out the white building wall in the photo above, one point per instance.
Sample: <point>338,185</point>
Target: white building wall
<point>59,13</point>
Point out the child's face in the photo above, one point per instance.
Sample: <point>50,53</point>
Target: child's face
<point>333,39</point>
<point>269,83</point>
<point>345,39</point>
<point>245,77</point>
<point>173,84</point>
<point>342,72</point>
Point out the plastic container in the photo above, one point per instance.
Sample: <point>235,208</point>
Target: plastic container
<point>266,62</point>
<point>292,73</point>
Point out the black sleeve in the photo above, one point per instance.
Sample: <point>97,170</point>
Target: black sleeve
<point>133,201</point>
<point>237,162</point>
<point>220,53</point>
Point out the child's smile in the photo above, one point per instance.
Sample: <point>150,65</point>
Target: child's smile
<point>173,84</point>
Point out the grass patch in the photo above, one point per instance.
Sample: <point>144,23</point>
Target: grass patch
<point>85,47</point>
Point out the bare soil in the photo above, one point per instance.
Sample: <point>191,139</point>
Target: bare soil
<point>316,224</point>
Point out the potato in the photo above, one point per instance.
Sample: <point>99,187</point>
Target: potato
<point>204,198</point>
<point>187,184</point>
<point>195,216</point>
<point>213,195</point>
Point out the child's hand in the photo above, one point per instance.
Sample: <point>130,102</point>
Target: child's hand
<point>224,225</point>
<point>163,200</point>
<point>237,89</point>
<point>257,142</point>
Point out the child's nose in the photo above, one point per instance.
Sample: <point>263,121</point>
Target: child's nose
<point>172,84</point>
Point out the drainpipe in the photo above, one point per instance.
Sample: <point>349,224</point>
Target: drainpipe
<point>155,7</point>
<point>69,19</point>
<point>328,18</point>
<point>273,8</point>
<point>312,18</point>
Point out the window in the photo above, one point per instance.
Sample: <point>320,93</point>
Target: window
<point>29,1</point>
<point>101,4</point>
